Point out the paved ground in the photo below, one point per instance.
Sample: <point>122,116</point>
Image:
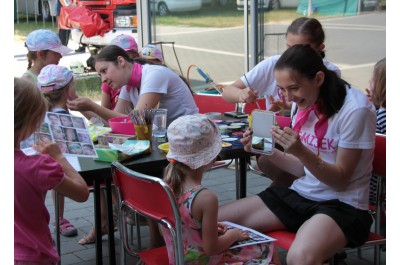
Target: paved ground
<point>221,181</point>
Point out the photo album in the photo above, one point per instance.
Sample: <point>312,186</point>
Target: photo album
<point>69,132</point>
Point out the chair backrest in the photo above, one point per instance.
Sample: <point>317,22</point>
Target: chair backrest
<point>152,197</point>
<point>379,163</point>
<point>212,103</point>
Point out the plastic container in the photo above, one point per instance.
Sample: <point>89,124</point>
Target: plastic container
<point>122,125</point>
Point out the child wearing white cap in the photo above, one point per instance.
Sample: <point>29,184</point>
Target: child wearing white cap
<point>152,53</point>
<point>195,143</point>
<point>57,85</point>
<point>44,47</point>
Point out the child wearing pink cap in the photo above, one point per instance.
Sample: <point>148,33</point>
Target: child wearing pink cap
<point>195,143</point>
<point>44,47</point>
<point>34,176</point>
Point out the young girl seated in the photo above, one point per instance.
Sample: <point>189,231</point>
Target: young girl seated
<point>194,145</point>
<point>34,176</point>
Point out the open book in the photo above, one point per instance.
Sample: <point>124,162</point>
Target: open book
<point>254,236</point>
<point>68,131</point>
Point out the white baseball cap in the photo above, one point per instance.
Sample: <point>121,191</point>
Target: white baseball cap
<point>43,39</point>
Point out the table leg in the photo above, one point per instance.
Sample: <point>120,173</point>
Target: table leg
<point>110,219</point>
<point>97,223</point>
<point>241,177</point>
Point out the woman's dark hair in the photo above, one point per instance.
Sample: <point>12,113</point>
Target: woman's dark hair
<point>111,53</point>
<point>309,27</point>
<point>303,60</point>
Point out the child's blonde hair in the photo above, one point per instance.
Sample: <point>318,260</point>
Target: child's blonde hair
<point>32,56</point>
<point>174,175</point>
<point>29,108</point>
<point>379,79</point>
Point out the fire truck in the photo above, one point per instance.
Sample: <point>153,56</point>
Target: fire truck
<point>117,16</point>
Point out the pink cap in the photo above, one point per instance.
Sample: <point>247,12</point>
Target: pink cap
<point>126,42</point>
<point>43,39</point>
<point>151,51</point>
<point>53,77</point>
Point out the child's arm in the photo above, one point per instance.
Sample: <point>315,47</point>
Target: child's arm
<point>105,100</point>
<point>73,185</point>
<point>205,208</point>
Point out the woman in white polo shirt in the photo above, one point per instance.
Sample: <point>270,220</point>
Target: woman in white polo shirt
<point>145,86</point>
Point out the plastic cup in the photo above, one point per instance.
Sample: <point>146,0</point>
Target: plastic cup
<point>160,123</point>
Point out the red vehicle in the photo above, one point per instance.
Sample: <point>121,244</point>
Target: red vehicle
<point>116,17</point>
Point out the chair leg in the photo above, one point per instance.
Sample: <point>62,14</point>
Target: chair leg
<point>122,235</point>
<point>139,240</point>
<point>131,232</point>
<point>359,253</point>
<point>377,255</point>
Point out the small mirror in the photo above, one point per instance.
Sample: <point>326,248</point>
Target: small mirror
<point>261,139</point>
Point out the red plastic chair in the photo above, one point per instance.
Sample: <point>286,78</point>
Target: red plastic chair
<point>212,103</point>
<point>150,197</point>
<point>285,238</point>
<point>249,107</point>
<point>379,171</point>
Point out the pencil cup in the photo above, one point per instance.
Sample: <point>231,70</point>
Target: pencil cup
<point>143,132</point>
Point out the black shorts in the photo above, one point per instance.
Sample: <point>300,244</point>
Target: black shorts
<point>293,210</point>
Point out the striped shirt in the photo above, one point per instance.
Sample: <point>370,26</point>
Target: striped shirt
<point>381,121</point>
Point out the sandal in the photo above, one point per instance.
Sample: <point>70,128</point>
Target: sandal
<point>91,237</point>
<point>66,228</point>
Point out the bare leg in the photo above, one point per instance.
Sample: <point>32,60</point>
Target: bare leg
<point>251,212</point>
<point>317,240</point>
<point>278,176</point>
<point>66,228</point>
<point>90,238</point>
<point>156,239</point>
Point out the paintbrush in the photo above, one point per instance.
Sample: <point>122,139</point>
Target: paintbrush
<point>248,84</point>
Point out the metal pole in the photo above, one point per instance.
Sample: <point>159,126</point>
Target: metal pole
<point>26,11</point>
<point>246,36</point>
<point>144,23</point>
<point>253,32</point>
<point>16,6</point>
<point>309,11</point>
<point>43,19</point>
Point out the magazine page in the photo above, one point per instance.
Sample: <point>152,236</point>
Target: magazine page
<point>254,236</point>
<point>68,131</point>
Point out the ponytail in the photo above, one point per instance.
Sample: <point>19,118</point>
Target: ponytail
<point>174,175</point>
